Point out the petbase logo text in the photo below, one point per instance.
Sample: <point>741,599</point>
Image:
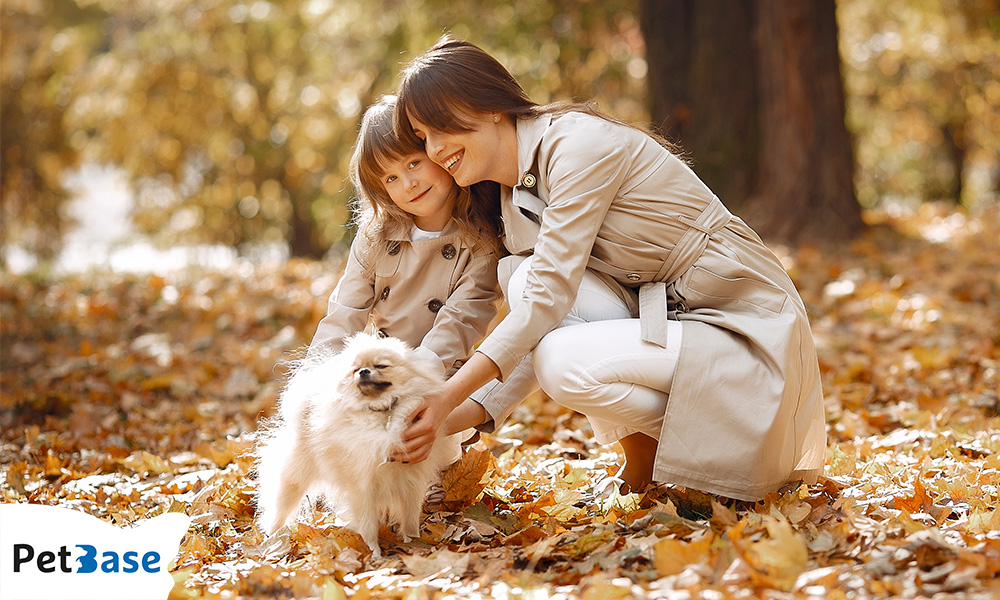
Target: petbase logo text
<point>49,552</point>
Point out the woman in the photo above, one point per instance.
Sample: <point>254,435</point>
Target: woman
<point>716,384</point>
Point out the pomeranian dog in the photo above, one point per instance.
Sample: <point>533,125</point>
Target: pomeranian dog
<point>339,418</point>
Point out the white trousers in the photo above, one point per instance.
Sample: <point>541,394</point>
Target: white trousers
<point>596,362</point>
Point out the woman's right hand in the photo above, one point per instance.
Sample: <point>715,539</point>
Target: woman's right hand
<point>418,438</point>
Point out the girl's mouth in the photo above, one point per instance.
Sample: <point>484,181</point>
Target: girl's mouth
<point>420,196</point>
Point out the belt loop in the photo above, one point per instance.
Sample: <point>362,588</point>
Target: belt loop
<point>653,313</point>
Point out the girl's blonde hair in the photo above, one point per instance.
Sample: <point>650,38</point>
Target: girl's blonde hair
<point>477,209</point>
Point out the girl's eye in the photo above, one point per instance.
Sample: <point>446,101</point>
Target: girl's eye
<point>390,179</point>
<point>414,163</point>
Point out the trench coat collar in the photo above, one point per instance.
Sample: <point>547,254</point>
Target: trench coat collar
<point>529,136</point>
<point>402,234</point>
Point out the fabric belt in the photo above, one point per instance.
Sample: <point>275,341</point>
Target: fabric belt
<point>687,251</point>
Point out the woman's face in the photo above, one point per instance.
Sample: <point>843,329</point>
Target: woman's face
<point>486,153</point>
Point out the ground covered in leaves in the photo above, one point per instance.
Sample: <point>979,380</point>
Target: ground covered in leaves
<point>127,396</point>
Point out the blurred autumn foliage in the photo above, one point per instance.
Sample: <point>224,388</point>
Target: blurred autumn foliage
<point>923,87</point>
<point>232,120</point>
<point>126,396</point>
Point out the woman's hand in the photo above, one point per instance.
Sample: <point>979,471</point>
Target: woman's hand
<point>419,436</point>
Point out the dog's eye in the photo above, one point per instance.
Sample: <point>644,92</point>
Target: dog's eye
<point>380,367</point>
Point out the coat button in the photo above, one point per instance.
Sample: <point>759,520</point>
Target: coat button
<point>393,248</point>
<point>448,251</point>
<point>435,305</point>
<point>385,293</point>
<point>682,307</point>
<point>634,277</point>
<point>528,180</point>
<point>382,333</point>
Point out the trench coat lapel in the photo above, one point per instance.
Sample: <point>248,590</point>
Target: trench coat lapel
<point>523,205</point>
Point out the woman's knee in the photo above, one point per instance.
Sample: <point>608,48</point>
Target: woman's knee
<point>557,374</point>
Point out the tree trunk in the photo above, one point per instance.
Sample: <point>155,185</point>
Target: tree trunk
<point>753,92</point>
<point>303,236</point>
<point>703,88</point>
<point>806,188</point>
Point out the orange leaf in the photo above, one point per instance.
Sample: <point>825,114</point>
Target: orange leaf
<point>673,555</point>
<point>463,481</point>
<point>918,502</point>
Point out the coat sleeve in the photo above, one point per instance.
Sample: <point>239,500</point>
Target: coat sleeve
<point>583,165</point>
<point>349,306</point>
<point>500,398</point>
<point>463,320</point>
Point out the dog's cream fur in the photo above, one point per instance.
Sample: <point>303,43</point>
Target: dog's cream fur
<point>339,419</point>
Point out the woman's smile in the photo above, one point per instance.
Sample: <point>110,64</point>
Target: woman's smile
<point>450,165</point>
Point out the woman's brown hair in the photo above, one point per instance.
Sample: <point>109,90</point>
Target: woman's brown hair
<point>455,78</point>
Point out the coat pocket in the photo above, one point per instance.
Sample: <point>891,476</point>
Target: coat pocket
<point>721,292</point>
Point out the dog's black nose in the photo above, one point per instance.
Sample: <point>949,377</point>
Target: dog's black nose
<point>364,374</point>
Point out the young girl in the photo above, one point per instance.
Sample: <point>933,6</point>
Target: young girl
<point>714,383</point>
<point>422,267</point>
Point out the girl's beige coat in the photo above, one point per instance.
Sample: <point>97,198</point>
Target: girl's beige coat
<point>437,295</point>
<point>745,413</point>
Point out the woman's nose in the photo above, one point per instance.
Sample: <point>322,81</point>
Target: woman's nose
<point>432,147</point>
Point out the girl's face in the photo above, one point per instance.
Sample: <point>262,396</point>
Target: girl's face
<point>486,153</point>
<point>421,188</point>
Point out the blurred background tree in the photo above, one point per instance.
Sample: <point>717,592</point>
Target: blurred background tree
<point>233,119</point>
<point>753,91</point>
<point>42,53</point>
<point>923,91</point>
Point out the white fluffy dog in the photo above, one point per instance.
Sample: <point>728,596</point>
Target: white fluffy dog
<point>339,418</point>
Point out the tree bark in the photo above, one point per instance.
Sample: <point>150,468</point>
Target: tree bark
<point>703,90</point>
<point>753,92</point>
<point>806,188</point>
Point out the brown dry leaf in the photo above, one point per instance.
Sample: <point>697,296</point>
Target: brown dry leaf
<point>443,563</point>
<point>983,521</point>
<point>777,559</point>
<point>464,481</point>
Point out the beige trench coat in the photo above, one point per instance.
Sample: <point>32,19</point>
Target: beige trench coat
<point>745,411</point>
<point>437,295</point>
